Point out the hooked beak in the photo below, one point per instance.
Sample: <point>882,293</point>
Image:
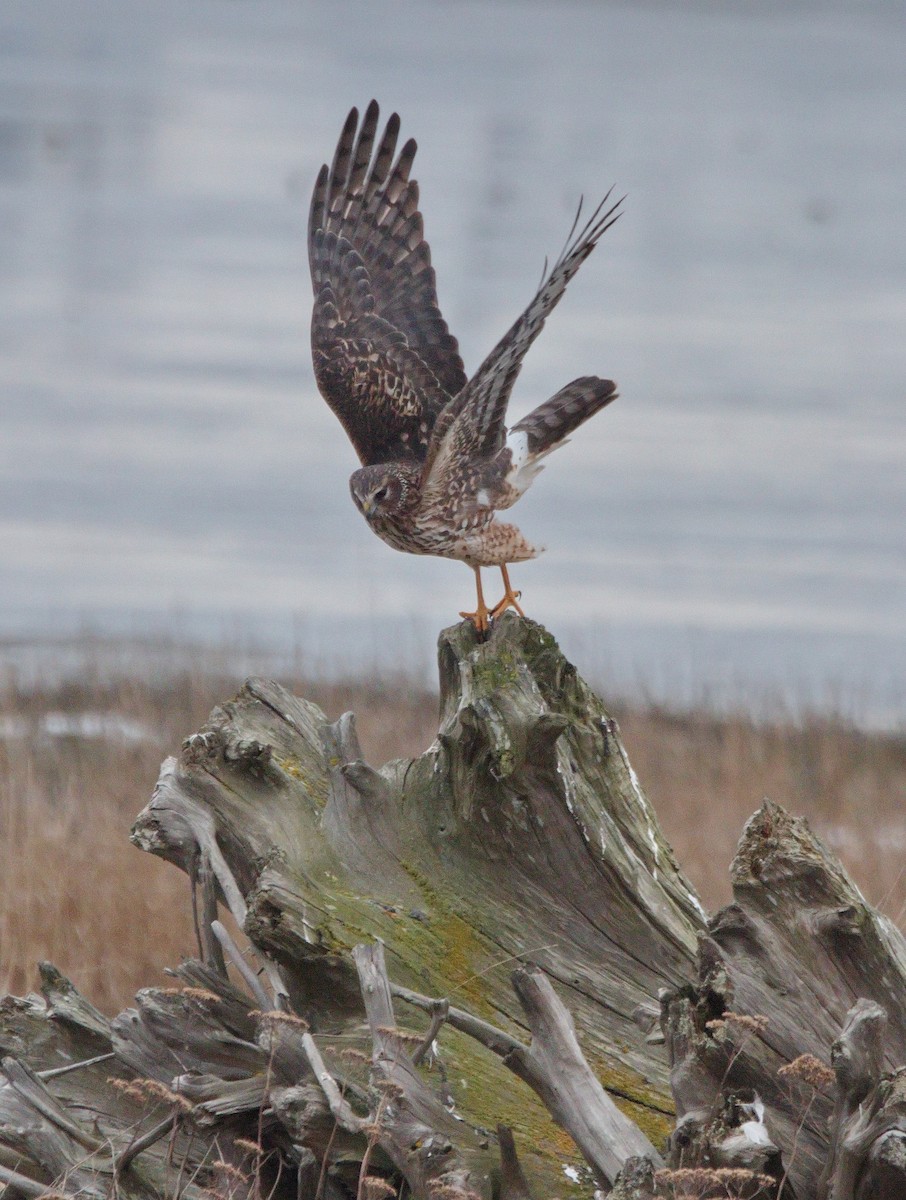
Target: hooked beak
<point>367,506</point>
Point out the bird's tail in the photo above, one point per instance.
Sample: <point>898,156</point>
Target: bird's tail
<point>552,422</point>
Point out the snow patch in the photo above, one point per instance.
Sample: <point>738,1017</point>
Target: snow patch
<point>756,1131</point>
<point>89,725</point>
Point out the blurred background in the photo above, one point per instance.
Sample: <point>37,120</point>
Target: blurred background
<point>726,544</point>
<point>732,528</point>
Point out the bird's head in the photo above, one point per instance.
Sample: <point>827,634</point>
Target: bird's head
<point>380,492</point>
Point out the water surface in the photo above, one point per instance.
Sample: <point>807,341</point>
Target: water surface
<point>735,521</point>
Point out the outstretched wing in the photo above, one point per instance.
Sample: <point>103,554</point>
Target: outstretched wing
<point>384,359</point>
<point>472,424</point>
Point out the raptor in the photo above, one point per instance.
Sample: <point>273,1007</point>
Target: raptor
<point>438,462</point>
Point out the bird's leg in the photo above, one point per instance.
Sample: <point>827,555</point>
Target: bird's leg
<point>480,618</point>
<point>510,598</point>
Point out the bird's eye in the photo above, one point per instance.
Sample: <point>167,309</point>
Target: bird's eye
<point>379,495</point>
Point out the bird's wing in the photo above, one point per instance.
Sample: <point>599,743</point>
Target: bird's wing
<point>472,424</point>
<point>384,358</point>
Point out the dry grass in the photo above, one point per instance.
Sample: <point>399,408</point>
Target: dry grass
<point>706,775</point>
<point>76,892</point>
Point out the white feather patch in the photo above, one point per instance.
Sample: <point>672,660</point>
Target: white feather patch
<point>525,466</point>
<point>517,444</point>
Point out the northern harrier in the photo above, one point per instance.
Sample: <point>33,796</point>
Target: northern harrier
<point>438,461</point>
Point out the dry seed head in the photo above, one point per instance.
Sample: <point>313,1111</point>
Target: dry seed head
<point>376,1188</point>
<point>150,1089</point>
<point>447,1191</point>
<point>810,1070</point>
<point>248,1145</point>
<point>126,1087</point>
<point>352,1055</point>
<point>754,1023</point>
<point>740,1177</point>
<point>751,1024</point>
<point>194,993</point>
<point>228,1171</point>
<point>409,1037</point>
<point>695,1181</point>
<point>275,1018</point>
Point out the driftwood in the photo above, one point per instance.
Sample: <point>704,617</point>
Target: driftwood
<point>796,959</point>
<point>477,973</point>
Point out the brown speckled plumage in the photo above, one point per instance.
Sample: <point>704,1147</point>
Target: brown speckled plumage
<point>437,460</point>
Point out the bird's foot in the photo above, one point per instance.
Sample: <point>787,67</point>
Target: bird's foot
<point>510,600</point>
<point>481,618</point>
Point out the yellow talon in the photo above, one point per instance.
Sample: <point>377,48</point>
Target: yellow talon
<point>510,598</point>
<point>481,618</point>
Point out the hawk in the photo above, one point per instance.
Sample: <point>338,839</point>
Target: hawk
<point>438,462</point>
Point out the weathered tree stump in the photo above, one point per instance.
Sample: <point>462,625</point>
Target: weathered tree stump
<point>522,834</point>
<point>458,966</point>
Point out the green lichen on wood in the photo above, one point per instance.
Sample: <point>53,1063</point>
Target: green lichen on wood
<point>486,1092</point>
<point>494,669</point>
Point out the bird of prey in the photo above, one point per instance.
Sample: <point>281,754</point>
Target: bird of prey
<point>438,462</point>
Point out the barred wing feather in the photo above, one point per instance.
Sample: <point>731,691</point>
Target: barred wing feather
<point>384,358</point>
